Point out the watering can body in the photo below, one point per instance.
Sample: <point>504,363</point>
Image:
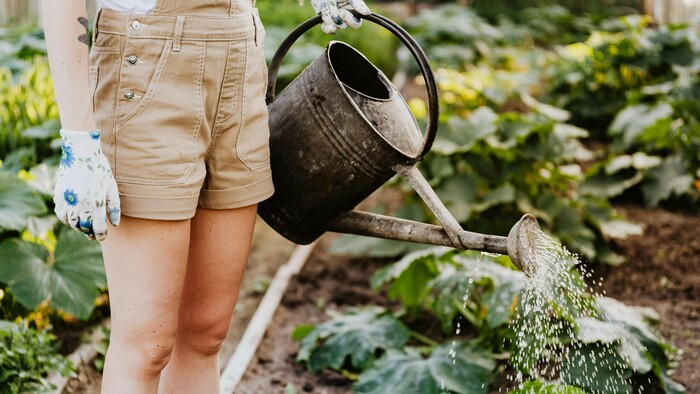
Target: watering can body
<point>335,133</point>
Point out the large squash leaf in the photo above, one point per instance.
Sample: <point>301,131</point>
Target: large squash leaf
<point>453,367</point>
<point>69,279</point>
<point>409,278</point>
<point>597,369</point>
<point>623,336</point>
<point>356,336</point>
<point>671,177</point>
<point>18,202</point>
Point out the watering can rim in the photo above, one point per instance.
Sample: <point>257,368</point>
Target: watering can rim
<point>394,94</point>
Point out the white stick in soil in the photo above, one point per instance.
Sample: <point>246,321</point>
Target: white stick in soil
<point>248,345</point>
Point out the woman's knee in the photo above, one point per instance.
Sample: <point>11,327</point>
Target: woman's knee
<point>204,336</point>
<point>146,353</point>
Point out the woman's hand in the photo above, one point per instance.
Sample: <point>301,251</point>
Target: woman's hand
<point>86,192</point>
<point>336,13</point>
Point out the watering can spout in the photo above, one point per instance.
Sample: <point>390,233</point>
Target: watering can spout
<point>519,245</point>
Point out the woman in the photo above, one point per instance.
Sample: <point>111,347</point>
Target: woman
<point>165,133</point>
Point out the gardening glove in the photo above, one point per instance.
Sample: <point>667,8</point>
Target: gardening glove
<point>336,13</point>
<point>85,192</point>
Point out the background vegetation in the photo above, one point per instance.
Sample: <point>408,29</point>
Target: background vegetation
<point>544,110</point>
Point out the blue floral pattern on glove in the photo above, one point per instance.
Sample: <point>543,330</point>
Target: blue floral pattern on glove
<point>67,157</point>
<point>71,197</point>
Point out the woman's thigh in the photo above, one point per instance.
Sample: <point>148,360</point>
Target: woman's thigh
<point>146,262</point>
<point>219,247</point>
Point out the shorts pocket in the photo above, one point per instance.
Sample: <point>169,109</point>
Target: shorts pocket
<point>252,143</point>
<point>156,139</point>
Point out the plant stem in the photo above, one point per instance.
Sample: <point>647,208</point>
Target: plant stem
<point>423,338</point>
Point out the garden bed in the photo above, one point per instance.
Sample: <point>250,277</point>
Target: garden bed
<point>661,273</point>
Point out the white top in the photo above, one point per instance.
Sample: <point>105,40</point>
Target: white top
<point>132,6</point>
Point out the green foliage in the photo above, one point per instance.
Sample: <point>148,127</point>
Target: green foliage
<point>455,367</point>
<point>68,276</point>
<point>280,17</point>
<point>621,339</point>
<point>27,356</point>
<point>101,348</point>
<point>28,114</point>
<point>18,202</point>
<point>541,387</point>
<point>356,338</point>
<point>600,343</point>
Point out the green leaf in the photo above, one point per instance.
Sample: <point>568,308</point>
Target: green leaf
<point>455,366</point>
<point>355,245</point>
<point>635,120</point>
<point>409,277</point>
<point>462,133</point>
<point>671,177</point>
<point>49,129</point>
<point>301,331</point>
<point>597,369</point>
<point>458,193</point>
<point>18,202</point>
<point>620,229</point>
<point>70,283</point>
<point>540,387</point>
<point>356,336</point>
<point>630,347</point>
<point>608,186</point>
<point>43,179</point>
<point>552,112</point>
<point>500,295</point>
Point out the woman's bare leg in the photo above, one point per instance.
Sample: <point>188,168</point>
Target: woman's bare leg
<point>219,247</point>
<point>146,262</point>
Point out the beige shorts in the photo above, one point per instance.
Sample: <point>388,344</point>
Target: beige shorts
<point>180,102</point>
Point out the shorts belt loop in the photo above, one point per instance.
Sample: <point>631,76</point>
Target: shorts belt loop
<point>179,24</point>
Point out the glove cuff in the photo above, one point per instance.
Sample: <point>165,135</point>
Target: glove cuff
<point>73,135</point>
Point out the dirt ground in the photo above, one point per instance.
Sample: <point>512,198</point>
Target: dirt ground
<point>661,273</point>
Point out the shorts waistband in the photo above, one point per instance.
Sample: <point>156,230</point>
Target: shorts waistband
<point>185,27</point>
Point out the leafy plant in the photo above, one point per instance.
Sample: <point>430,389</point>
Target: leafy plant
<point>355,338</point>
<point>27,356</point>
<point>68,276</point>
<point>599,342</point>
<point>461,367</point>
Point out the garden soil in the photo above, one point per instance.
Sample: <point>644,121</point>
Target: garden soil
<point>661,273</point>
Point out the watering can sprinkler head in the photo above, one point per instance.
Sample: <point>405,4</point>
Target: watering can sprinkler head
<point>522,244</point>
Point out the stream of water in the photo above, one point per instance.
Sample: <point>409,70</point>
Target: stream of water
<point>546,344</point>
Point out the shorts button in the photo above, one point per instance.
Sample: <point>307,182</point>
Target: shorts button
<point>136,25</point>
<point>129,94</point>
<point>132,59</point>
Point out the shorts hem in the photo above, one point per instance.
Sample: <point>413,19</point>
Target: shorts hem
<point>158,207</point>
<point>237,197</point>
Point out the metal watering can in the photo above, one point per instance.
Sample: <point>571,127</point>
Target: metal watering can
<point>338,132</point>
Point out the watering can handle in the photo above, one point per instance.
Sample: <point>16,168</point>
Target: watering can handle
<point>402,35</point>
